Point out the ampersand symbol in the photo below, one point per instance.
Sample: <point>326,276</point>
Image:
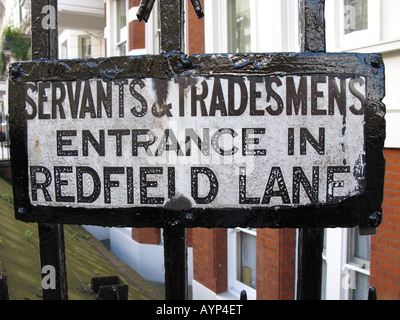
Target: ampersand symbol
<point>164,110</point>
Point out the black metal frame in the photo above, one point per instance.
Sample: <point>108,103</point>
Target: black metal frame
<point>351,212</point>
<point>363,210</point>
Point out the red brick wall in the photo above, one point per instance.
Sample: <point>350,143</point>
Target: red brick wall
<point>134,3</point>
<point>210,258</point>
<point>153,236</point>
<point>385,245</point>
<point>137,35</point>
<point>146,235</point>
<point>276,264</point>
<point>195,31</point>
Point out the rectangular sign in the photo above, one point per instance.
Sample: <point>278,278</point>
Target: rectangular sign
<point>223,142</point>
<point>220,142</point>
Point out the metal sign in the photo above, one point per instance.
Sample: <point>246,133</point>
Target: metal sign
<point>290,138</point>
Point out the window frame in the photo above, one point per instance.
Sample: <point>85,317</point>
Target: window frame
<point>361,38</point>
<point>235,286</point>
<point>81,39</point>
<point>121,33</point>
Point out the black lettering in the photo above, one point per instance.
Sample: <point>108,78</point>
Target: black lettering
<point>231,96</point>
<point>203,145</point>
<point>121,96</point>
<point>81,197</point>
<point>171,182</point>
<point>74,99</point>
<point>276,175</point>
<point>57,102</point>
<point>254,95</point>
<point>87,105</point>
<point>104,99</point>
<point>181,98</point>
<point>212,178</point>
<point>100,147</point>
<point>216,145</point>
<point>200,98</point>
<point>61,142</point>
<point>173,146</point>
<point>336,95</point>
<point>299,178</point>
<point>129,183</point>
<point>246,141</point>
<point>143,144</point>
<point>296,100</point>
<point>273,94</point>
<point>144,184</point>
<point>43,98</point>
<point>138,112</point>
<point>290,141</point>
<point>243,189</point>
<point>217,99</point>
<point>331,184</point>
<point>315,94</point>
<point>35,185</point>
<point>58,183</point>
<point>358,95</point>
<point>108,183</point>
<point>118,139</point>
<point>29,100</point>
<point>319,145</point>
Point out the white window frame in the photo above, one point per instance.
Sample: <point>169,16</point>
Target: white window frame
<point>361,38</point>
<point>81,45</point>
<point>123,32</point>
<point>340,270</point>
<point>273,25</point>
<point>153,32</point>
<point>235,286</point>
<point>64,49</point>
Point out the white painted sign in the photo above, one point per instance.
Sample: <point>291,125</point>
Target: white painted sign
<point>218,141</point>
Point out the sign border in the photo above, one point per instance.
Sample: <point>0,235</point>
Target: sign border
<point>364,210</point>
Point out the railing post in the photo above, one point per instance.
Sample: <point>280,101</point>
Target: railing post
<point>51,236</point>
<point>312,39</point>
<point>3,288</point>
<point>175,247</point>
<point>175,262</point>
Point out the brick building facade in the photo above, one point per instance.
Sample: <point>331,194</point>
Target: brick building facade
<point>274,256</point>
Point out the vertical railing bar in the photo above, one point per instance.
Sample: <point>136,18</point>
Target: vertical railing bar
<point>309,273</point>
<point>310,248</point>
<point>312,25</point>
<point>175,263</point>
<point>172,25</point>
<point>175,247</point>
<point>44,33</point>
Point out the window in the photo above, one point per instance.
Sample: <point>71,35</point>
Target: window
<point>358,264</point>
<point>242,261</point>
<point>358,23</point>
<point>86,47</point>
<point>346,264</point>
<point>355,15</point>
<point>64,50</point>
<point>247,258</point>
<point>121,30</point>
<point>239,40</point>
<point>324,268</point>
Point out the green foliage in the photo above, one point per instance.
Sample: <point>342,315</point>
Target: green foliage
<point>28,234</point>
<point>3,63</point>
<point>18,43</point>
